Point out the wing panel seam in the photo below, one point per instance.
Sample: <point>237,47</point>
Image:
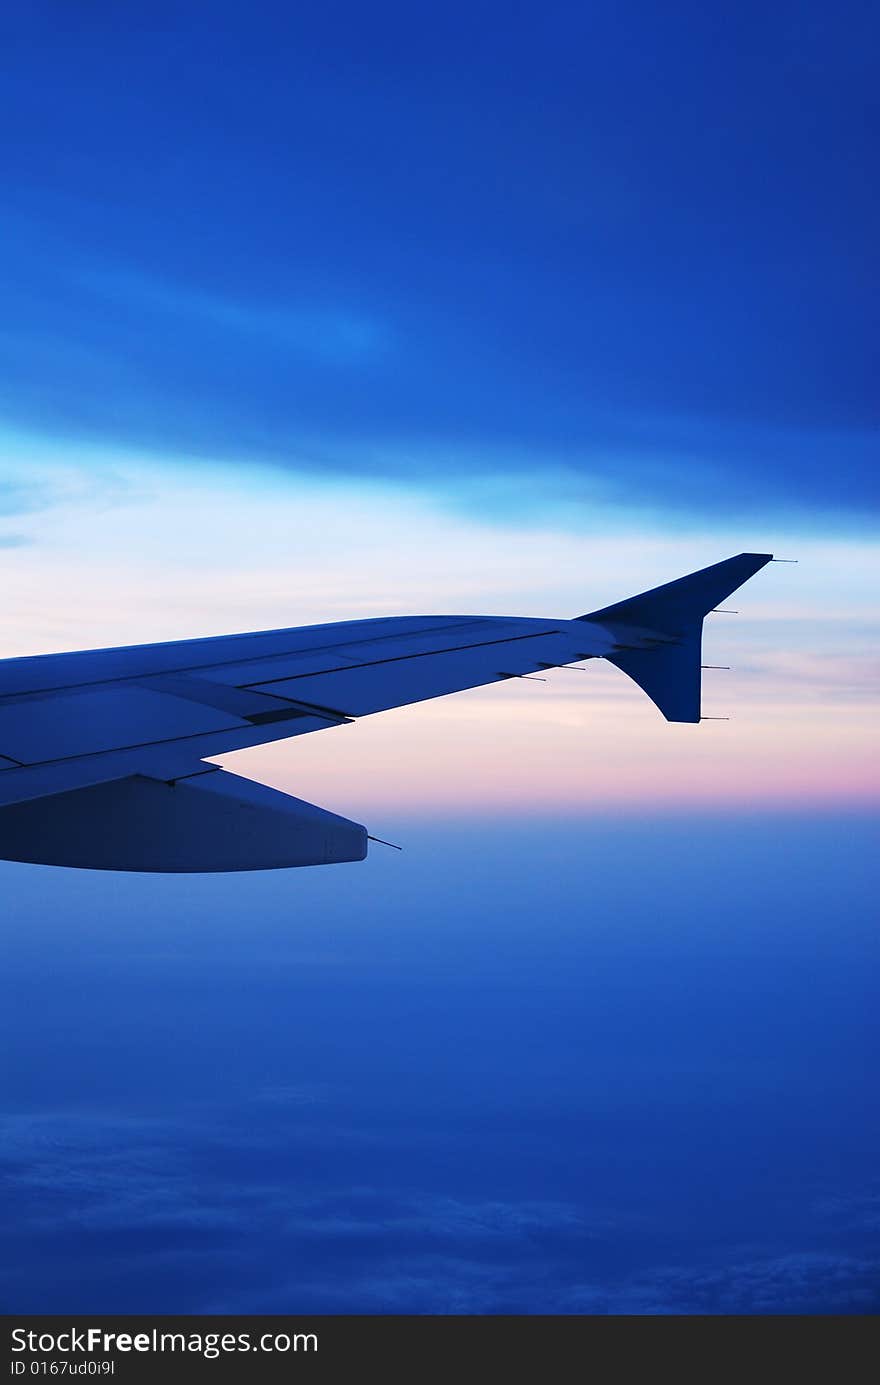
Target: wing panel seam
<point>401,658</point>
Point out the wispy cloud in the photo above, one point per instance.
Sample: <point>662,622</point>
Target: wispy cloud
<point>333,335</point>
<point>799,1282</point>
<point>437,1281</point>
<point>392,1250</point>
<point>21,496</point>
<point>127,1173</point>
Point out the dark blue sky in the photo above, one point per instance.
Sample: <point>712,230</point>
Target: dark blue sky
<point>635,240</point>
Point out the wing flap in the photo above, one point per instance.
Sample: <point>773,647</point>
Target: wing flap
<point>24,783</point>
<point>92,720</point>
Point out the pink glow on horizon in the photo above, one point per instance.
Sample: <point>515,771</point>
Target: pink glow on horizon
<point>525,749</point>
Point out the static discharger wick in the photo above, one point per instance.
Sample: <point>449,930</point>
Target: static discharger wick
<point>572,668</point>
<point>381,842</point>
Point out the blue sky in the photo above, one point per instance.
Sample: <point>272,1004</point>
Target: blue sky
<point>319,313</point>
<point>635,242</point>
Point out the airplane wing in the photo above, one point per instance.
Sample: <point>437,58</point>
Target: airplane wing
<point>102,753</point>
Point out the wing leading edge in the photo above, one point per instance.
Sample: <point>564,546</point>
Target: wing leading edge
<point>102,752</point>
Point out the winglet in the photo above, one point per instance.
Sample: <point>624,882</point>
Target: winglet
<point>670,672</point>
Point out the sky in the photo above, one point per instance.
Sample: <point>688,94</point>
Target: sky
<point>316,314</point>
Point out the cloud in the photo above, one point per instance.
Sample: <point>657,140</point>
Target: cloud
<point>143,1184</point>
<point>856,1212</point>
<point>128,1174</point>
<point>799,1282</point>
<point>331,335</point>
<point>19,496</point>
<point>807,1282</point>
<point>368,1213</point>
<point>166,1191</point>
<point>37,479</point>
